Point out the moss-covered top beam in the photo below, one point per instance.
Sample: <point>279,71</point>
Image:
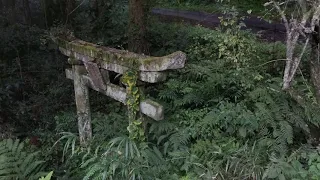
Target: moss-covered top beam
<point>121,57</point>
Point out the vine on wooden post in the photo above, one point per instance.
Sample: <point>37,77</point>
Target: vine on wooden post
<point>136,131</point>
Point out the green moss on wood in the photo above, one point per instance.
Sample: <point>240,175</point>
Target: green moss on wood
<point>115,56</point>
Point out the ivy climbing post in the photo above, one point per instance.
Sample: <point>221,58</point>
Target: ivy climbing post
<point>136,131</point>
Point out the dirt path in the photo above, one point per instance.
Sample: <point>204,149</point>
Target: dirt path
<point>267,31</point>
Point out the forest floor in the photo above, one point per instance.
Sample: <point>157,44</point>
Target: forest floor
<point>270,32</point>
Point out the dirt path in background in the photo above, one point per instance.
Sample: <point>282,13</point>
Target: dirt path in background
<point>266,31</point>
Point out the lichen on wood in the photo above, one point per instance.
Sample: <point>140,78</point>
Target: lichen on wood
<point>124,58</point>
<point>146,76</point>
<point>83,106</point>
<point>91,64</point>
<point>147,107</point>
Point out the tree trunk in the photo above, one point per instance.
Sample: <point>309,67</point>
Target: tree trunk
<point>10,6</point>
<point>1,6</point>
<point>138,10</point>
<point>53,10</point>
<point>69,9</point>
<point>315,78</point>
<point>315,62</point>
<point>27,12</point>
<point>94,6</point>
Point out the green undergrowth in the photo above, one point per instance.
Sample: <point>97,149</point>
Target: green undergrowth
<point>226,116</point>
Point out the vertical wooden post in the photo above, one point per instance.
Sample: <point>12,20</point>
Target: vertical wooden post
<point>83,106</point>
<point>10,7</point>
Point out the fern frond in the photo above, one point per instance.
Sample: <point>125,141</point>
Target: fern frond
<point>17,163</point>
<point>179,139</point>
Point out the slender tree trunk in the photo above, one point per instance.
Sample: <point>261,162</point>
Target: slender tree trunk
<point>138,10</point>
<point>69,9</point>
<point>10,6</point>
<point>52,10</point>
<point>27,12</point>
<point>315,62</point>
<point>1,6</point>
<point>315,79</point>
<point>94,6</point>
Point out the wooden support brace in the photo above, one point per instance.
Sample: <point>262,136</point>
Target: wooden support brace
<point>95,74</point>
<point>147,107</point>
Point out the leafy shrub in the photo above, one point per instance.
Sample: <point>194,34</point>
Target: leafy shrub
<point>226,158</point>
<point>123,158</point>
<point>104,125</point>
<point>108,29</point>
<point>48,177</point>
<point>301,164</point>
<point>30,68</point>
<point>230,90</point>
<point>17,163</point>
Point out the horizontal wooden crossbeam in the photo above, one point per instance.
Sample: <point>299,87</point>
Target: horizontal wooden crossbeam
<point>147,107</point>
<point>123,58</point>
<point>146,76</point>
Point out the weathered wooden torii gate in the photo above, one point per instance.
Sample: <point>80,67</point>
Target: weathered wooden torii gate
<point>90,66</point>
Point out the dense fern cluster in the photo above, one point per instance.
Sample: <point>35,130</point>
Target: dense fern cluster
<point>123,158</point>
<point>226,116</point>
<point>17,163</point>
<point>214,103</point>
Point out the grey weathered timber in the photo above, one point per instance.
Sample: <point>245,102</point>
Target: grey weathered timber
<point>91,65</point>
<point>146,76</point>
<point>83,106</point>
<point>94,72</point>
<point>80,49</point>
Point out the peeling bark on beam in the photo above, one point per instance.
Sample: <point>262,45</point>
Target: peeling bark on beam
<point>147,107</point>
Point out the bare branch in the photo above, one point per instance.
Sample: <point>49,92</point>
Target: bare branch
<point>297,61</point>
<point>304,48</point>
<point>281,12</point>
